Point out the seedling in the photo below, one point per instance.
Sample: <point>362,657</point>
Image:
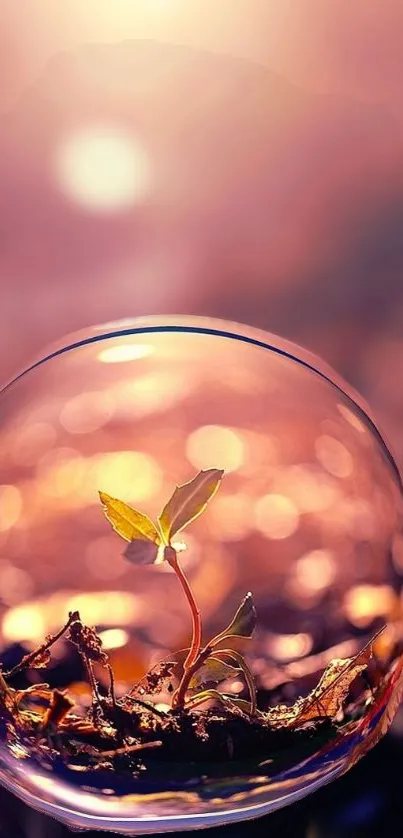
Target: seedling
<point>151,542</point>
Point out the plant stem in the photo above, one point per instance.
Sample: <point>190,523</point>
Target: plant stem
<point>179,696</point>
<point>196,617</point>
<point>208,695</point>
<point>26,661</point>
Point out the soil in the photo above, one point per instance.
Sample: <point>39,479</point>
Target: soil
<point>126,741</point>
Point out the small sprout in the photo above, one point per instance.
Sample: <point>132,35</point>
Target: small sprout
<point>150,543</point>
<point>153,543</point>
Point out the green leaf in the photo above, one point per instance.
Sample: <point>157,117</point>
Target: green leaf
<point>188,502</point>
<point>213,671</point>
<point>243,623</point>
<point>129,523</point>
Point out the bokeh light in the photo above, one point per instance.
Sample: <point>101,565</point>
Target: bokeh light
<point>363,603</point>
<point>215,443</point>
<point>122,353</point>
<point>10,507</point>
<point>315,571</point>
<point>24,622</point>
<point>103,168</point>
<point>276,516</point>
<point>334,456</point>
<point>86,412</point>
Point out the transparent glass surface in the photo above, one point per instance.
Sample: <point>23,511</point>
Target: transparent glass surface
<point>308,518</point>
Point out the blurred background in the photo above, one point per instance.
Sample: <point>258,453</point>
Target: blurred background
<point>239,160</point>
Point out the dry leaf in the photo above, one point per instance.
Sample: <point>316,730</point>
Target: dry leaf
<point>242,624</point>
<point>158,678</point>
<point>213,671</point>
<point>87,642</point>
<point>326,700</point>
<point>59,706</point>
<point>189,501</point>
<point>129,523</point>
<point>32,693</point>
<point>328,697</point>
<point>41,660</point>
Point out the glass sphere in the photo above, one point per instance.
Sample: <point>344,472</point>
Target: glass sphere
<point>293,495</point>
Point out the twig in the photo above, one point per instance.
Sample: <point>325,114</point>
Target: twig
<point>26,661</point>
<point>130,749</point>
<point>112,685</point>
<point>93,682</point>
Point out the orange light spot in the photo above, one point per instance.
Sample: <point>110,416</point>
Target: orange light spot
<point>102,168</point>
<point>351,418</point>
<point>334,456</point>
<point>276,516</point>
<point>114,638</point>
<point>87,412</point>
<point>315,571</point>
<point>231,516</point>
<point>32,442</point>
<point>286,647</point>
<point>10,507</point>
<point>131,475</point>
<point>124,352</point>
<point>24,622</point>
<point>363,603</point>
<point>215,444</point>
